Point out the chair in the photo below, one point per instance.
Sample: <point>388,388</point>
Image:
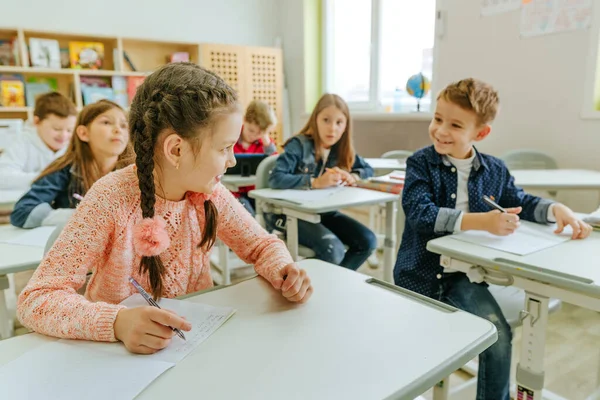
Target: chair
<point>528,159</point>
<point>511,300</point>
<point>262,182</point>
<point>376,212</point>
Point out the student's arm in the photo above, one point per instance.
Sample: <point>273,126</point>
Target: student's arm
<point>535,209</point>
<point>34,208</point>
<point>12,168</point>
<point>270,148</point>
<point>241,233</point>
<point>417,201</point>
<point>50,304</point>
<point>361,168</point>
<point>283,175</point>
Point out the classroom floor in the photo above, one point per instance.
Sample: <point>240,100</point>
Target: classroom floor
<point>572,359</point>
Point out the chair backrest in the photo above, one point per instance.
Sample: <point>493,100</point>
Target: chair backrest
<point>528,159</point>
<point>264,170</point>
<point>397,154</point>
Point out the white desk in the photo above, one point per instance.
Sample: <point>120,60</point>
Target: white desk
<point>557,179</point>
<point>13,258</point>
<point>235,182</point>
<point>356,338</point>
<point>568,272</point>
<point>8,198</point>
<point>384,165</point>
<point>344,198</point>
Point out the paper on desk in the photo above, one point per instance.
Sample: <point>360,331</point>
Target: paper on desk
<point>31,237</point>
<point>525,240</point>
<point>205,321</point>
<point>64,370</point>
<point>304,196</point>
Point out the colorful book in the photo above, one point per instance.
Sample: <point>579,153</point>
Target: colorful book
<point>13,93</point>
<point>7,52</point>
<point>133,82</point>
<point>119,86</point>
<point>179,57</point>
<point>52,82</point>
<point>86,55</point>
<point>33,90</point>
<point>92,94</point>
<point>382,187</point>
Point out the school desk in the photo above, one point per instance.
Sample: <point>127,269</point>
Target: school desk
<point>345,197</point>
<point>356,338</point>
<point>385,165</point>
<point>568,271</point>
<point>557,179</point>
<point>8,198</point>
<point>235,182</point>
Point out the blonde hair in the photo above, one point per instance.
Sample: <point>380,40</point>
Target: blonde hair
<point>345,147</point>
<point>473,95</point>
<point>261,114</point>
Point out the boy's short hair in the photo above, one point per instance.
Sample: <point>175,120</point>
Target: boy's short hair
<point>473,95</point>
<point>53,103</point>
<point>261,114</point>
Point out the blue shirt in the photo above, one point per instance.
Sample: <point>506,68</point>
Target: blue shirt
<point>294,168</point>
<point>52,192</point>
<point>429,200</point>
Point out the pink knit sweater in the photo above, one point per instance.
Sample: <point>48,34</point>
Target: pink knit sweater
<point>99,239</point>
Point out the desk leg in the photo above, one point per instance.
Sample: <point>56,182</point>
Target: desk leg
<point>530,370</point>
<point>292,236</point>
<point>224,263</point>
<point>6,322</point>
<point>389,247</point>
<point>259,213</point>
<point>442,390</point>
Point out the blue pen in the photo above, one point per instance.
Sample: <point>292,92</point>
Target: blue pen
<point>151,301</point>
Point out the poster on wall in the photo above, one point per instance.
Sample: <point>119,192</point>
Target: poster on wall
<point>541,17</point>
<point>493,7</point>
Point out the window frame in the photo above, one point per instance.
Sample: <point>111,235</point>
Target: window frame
<point>372,106</point>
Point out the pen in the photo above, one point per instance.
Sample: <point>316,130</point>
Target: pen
<point>493,204</point>
<point>77,196</point>
<point>151,301</point>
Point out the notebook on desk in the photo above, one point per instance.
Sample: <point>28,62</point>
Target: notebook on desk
<point>246,164</point>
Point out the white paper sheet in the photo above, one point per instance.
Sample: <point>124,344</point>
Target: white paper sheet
<point>31,237</point>
<point>304,196</point>
<point>525,240</point>
<point>541,17</point>
<point>205,321</point>
<point>64,370</point>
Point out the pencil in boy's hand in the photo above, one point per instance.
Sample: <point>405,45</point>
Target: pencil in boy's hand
<point>493,204</point>
<point>152,302</point>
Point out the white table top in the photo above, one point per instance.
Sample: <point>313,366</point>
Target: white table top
<point>14,257</point>
<point>557,179</point>
<point>343,198</point>
<point>238,180</point>
<point>386,163</point>
<point>352,340</point>
<point>572,264</point>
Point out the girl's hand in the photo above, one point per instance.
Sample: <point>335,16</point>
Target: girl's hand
<point>146,330</point>
<point>347,178</point>
<point>294,284</point>
<point>328,179</point>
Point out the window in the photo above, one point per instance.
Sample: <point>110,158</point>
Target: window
<point>372,47</point>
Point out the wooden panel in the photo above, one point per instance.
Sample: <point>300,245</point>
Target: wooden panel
<point>264,73</point>
<point>227,62</point>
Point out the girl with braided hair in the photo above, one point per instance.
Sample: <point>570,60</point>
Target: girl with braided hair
<point>156,221</point>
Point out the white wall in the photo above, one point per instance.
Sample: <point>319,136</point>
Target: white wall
<point>244,22</point>
<point>540,82</point>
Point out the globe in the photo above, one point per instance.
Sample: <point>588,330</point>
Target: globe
<point>418,86</point>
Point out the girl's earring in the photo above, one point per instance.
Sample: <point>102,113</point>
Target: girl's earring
<point>177,166</point>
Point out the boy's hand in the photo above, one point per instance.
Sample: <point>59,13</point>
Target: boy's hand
<point>266,139</point>
<point>564,217</point>
<point>503,224</point>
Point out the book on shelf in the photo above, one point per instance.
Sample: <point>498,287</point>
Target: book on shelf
<point>33,90</point>
<point>92,94</point>
<point>86,55</point>
<point>180,56</point>
<point>128,61</point>
<point>119,86</point>
<point>395,188</point>
<point>9,52</point>
<point>52,82</point>
<point>44,53</point>
<point>133,82</point>
<point>12,90</point>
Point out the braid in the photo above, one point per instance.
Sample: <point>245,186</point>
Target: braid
<point>186,98</point>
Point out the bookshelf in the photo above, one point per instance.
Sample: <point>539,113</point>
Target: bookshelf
<point>255,72</point>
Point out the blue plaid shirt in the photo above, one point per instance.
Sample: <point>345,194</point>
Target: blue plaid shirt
<point>429,201</point>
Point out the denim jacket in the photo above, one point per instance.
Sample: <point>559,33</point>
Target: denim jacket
<point>298,164</point>
<point>54,191</point>
<point>429,201</point>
